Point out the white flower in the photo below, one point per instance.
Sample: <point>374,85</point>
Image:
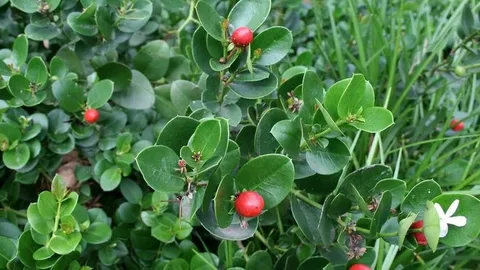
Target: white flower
<point>446,218</point>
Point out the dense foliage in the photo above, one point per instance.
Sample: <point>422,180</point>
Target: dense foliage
<point>249,134</point>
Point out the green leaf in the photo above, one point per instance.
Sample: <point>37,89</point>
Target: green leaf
<point>394,186</point>
<point>7,252</point>
<point>131,191</point>
<point>234,232</point>
<point>20,47</point>
<point>204,261</point>
<point>69,95</point>
<point>200,53</point>
<point>119,73</point>
<point>330,159</point>
<point>19,86</point>
<point>256,89</point>
<point>59,189</point>
<point>183,93</point>
<point>260,260</point>
<point>62,243</point>
<point>289,134</point>
<point>217,66</point>
<point>249,13</point>
<point>105,22</point>
<point>37,71</point>
<point>84,23</point>
<point>16,158</point>
<point>47,205</point>
<point>258,74</point>
<point>177,132</point>
<point>57,67</point>
<point>223,201</point>
<point>381,214</point>
<point>352,98</point>
<point>431,225</point>
<point>307,218</point>
<point>99,94</point>
<point>206,138</point>
<point>129,212</point>
<point>312,263</point>
<point>211,21</point>
<point>43,253</point>
<point>97,233</point>
<point>68,204</point>
<point>11,132</point>
<point>28,6</point>
<point>325,225</point>
<point>138,95</point>
<point>111,178</point>
<point>177,264</point>
<point>333,95</point>
<point>270,175</point>
<point>415,200</point>
<point>231,159</point>
<point>365,179</point>
<point>158,165</point>
<point>42,31</point>
<point>264,141</point>
<point>137,17</point>
<point>273,44</point>
<point>39,223</point>
<point>376,119</point>
<point>468,207</point>
<point>153,60</point>
<point>165,230</point>
<point>404,225</point>
<point>312,94</point>
<point>26,248</point>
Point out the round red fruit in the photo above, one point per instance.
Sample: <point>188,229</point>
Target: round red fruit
<point>249,204</point>
<point>359,266</point>
<point>91,116</point>
<point>457,125</point>
<point>242,36</point>
<point>419,236</point>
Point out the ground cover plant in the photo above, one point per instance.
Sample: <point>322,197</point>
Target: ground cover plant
<point>239,134</point>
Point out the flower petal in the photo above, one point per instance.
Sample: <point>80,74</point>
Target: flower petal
<point>453,207</point>
<point>458,221</point>
<point>439,209</point>
<point>443,229</point>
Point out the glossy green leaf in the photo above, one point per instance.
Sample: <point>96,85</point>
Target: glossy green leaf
<point>137,17</point>
<point>254,90</point>
<point>395,187</point>
<point>223,202</point>
<point>105,22</point>
<point>200,53</point>
<point>158,165</point>
<point>264,141</point>
<point>416,199</point>
<point>16,158</point>
<point>177,132</point>
<point>59,189</point>
<point>69,95</point>
<point>39,223</point>
<point>42,31</point>
<point>206,138</point>
<point>404,227</point>
<point>249,13</point>
<point>289,134</point>
<point>62,243</point>
<point>84,23</point>
<point>26,248</point>
<point>138,95</point>
<point>37,71</point>
<point>211,20</point>
<point>273,44</point>
<point>307,218</point>
<point>328,160</point>
<point>131,191</point>
<point>352,98</point>
<point>153,59</point>
<point>431,225</point>
<point>29,6</point>
<point>7,252</point>
<point>177,264</point>
<point>120,74</point>
<point>47,205</point>
<point>376,119</point>
<point>183,93</point>
<point>19,86</point>
<point>260,260</point>
<point>365,179</point>
<point>99,94</point>
<point>333,95</point>
<point>111,178</point>
<point>381,213</point>
<point>43,253</point>
<point>97,233</point>
<point>270,175</point>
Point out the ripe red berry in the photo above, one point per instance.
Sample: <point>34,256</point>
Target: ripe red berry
<point>457,125</point>
<point>91,116</point>
<point>359,266</point>
<point>242,36</point>
<point>419,236</point>
<point>249,204</point>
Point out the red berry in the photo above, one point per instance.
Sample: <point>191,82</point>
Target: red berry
<point>91,116</point>
<point>419,236</point>
<point>249,204</point>
<point>359,266</point>
<point>457,125</point>
<point>242,36</point>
